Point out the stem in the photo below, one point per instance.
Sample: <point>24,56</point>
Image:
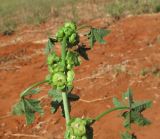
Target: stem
<point>66,108</point>
<point>84,26</point>
<point>31,87</point>
<point>64,94</point>
<point>109,111</point>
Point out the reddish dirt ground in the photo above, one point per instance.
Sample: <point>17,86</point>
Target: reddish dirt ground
<point>133,44</point>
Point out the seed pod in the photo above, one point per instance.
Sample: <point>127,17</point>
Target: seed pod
<point>70,25</point>
<point>59,80</point>
<point>58,67</point>
<point>68,31</point>
<point>60,34</point>
<point>72,59</point>
<point>72,38</point>
<point>70,77</point>
<point>52,58</point>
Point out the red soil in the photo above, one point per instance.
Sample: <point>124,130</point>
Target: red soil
<point>134,44</point>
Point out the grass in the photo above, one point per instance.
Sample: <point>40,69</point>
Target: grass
<point>119,8</point>
<point>19,12</point>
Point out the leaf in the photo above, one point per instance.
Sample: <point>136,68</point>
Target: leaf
<point>128,95</point>
<point>97,35</point>
<point>92,38</point>
<point>50,44</point>
<point>30,92</point>
<point>28,107</point>
<point>83,51</point>
<point>141,106</point>
<point>139,119</point>
<point>127,122</point>
<point>55,94</point>
<point>34,105</point>
<point>31,106</point>
<point>116,102</point>
<point>72,97</point>
<point>127,135</point>
<point>54,106</point>
<point>136,117</point>
<point>18,108</point>
<point>56,99</point>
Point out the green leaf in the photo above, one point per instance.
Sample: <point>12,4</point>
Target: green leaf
<point>127,135</point>
<point>55,94</point>
<point>31,92</point>
<point>127,120</point>
<point>128,95</point>
<point>54,106</point>
<point>50,44</point>
<point>97,35</point>
<point>18,108</point>
<point>141,106</point>
<point>92,38</point>
<point>139,119</point>
<point>31,106</point>
<point>116,102</point>
<point>34,105</point>
<point>28,107</point>
<point>56,99</point>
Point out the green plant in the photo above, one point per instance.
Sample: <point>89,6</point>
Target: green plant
<point>60,78</point>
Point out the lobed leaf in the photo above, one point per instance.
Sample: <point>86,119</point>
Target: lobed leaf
<point>97,35</point>
<point>28,107</point>
<point>55,94</point>
<point>127,135</point>
<point>141,106</point>
<point>116,102</point>
<point>30,92</point>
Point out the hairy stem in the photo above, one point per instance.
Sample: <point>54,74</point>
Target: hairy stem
<point>64,94</point>
<point>32,86</point>
<point>109,111</point>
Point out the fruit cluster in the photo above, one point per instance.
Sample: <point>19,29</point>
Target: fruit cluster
<point>77,129</point>
<point>61,77</point>
<point>69,30</point>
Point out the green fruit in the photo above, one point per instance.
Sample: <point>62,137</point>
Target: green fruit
<point>72,59</point>
<point>59,80</point>
<point>70,25</point>
<point>68,31</point>
<point>60,34</point>
<point>84,137</point>
<point>70,77</point>
<point>56,68</point>
<point>52,58</point>
<point>72,38</point>
<point>69,66</point>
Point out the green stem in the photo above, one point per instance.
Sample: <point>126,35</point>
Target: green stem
<point>31,87</point>
<point>66,108</point>
<point>64,94</point>
<point>109,111</point>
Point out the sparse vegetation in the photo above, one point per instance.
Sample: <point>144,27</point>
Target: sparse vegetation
<point>119,8</point>
<point>18,12</point>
